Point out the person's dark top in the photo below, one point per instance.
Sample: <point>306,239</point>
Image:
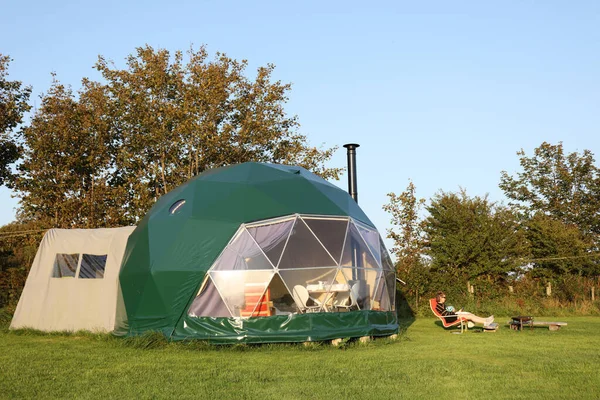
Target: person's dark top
<point>442,311</point>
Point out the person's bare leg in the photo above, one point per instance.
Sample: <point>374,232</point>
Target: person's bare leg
<point>476,319</point>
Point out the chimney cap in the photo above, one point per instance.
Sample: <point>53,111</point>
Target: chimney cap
<point>351,145</point>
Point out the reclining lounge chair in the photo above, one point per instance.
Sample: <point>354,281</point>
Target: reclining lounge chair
<point>459,320</point>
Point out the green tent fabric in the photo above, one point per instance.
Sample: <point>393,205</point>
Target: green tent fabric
<point>172,249</point>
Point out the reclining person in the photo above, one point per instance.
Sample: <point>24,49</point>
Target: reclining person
<point>452,316</point>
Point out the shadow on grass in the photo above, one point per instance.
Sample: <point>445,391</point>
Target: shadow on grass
<point>439,324</point>
<point>405,313</point>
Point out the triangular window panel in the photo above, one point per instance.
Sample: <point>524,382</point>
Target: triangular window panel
<point>379,288</point>
<point>242,254</point>
<point>243,291</point>
<point>390,280</point>
<point>258,302</point>
<point>358,287</point>
<point>386,261</point>
<point>371,278</point>
<point>272,238</point>
<point>349,274</point>
<point>371,237</point>
<point>340,278</point>
<point>331,232</point>
<point>384,305</point>
<point>208,302</point>
<point>381,299</point>
<point>283,302</point>
<point>303,250</point>
<point>356,252</point>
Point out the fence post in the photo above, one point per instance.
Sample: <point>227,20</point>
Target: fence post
<point>549,289</point>
<point>593,297</point>
<point>511,289</point>
<point>417,299</point>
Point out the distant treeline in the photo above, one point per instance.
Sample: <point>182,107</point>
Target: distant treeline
<point>544,242</point>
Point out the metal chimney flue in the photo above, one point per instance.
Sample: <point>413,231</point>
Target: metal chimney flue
<point>352,187</point>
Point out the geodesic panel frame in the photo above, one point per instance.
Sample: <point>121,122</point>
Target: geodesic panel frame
<point>260,271</point>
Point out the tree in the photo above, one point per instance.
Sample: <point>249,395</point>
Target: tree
<point>566,187</point>
<point>63,179</point>
<point>471,238</point>
<point>404,209</point>
<point>13,105</point>
<point>408,241</point>
<point>18,246</point>
<point>175,120</point>
<point>104,158</point>
<point>558,249</point>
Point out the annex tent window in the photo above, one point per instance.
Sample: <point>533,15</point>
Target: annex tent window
<point>92,266</point>
<point>82,266</point>
<point>65,265</point>
<point>338,263</point>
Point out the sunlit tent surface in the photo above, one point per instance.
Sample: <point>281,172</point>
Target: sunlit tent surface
<point>73,281</point>
<point>256,253</point>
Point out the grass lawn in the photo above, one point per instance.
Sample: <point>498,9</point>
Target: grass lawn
<point>425,362</point>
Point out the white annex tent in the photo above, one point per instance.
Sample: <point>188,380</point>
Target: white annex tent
<point>74,281</point>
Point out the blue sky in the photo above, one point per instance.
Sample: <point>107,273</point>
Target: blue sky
<point>442,93</point>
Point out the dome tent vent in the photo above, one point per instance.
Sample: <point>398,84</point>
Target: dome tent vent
<point>176,206</point>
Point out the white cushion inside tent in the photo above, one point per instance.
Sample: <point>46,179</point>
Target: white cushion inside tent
<point>71,303</point>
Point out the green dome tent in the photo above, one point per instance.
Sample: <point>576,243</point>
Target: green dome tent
<point>256,253</point>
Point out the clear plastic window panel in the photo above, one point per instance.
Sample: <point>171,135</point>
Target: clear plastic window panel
<point>245,292</point>
<point>272,237</point>
<point>390,279</point>
<point>311,288</point>
<point>381,298</point>
<point>371,237</point>
<point>342,299</point>
<point>303,250</point>
<point>208,302</point>
<point>386,261</point>
<point>363,283</point>
<point>283,301</point>
<point>65,265</point>
<point>356,252</point>
<point>331,233</point>
<point>242,254</point>
<point>92,266</point>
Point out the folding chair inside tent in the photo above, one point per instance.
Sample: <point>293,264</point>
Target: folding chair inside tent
<point>460,320</point>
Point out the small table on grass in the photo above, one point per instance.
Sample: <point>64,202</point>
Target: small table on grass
<point>520,320</point>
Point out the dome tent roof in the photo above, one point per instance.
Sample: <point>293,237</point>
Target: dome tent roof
<point>176,243</point>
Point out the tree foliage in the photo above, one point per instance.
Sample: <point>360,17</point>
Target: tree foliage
<point>404,209</point>
<point>14,99</point>
<point>102,158</point>
<point>558,249</point>
<point>66,168</point>
<point>408,239</point>
<point>18,246</point>
<point>564,186</point>
<point>470,238</point>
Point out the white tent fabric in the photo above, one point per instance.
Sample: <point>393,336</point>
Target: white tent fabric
<point>73,303</point>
